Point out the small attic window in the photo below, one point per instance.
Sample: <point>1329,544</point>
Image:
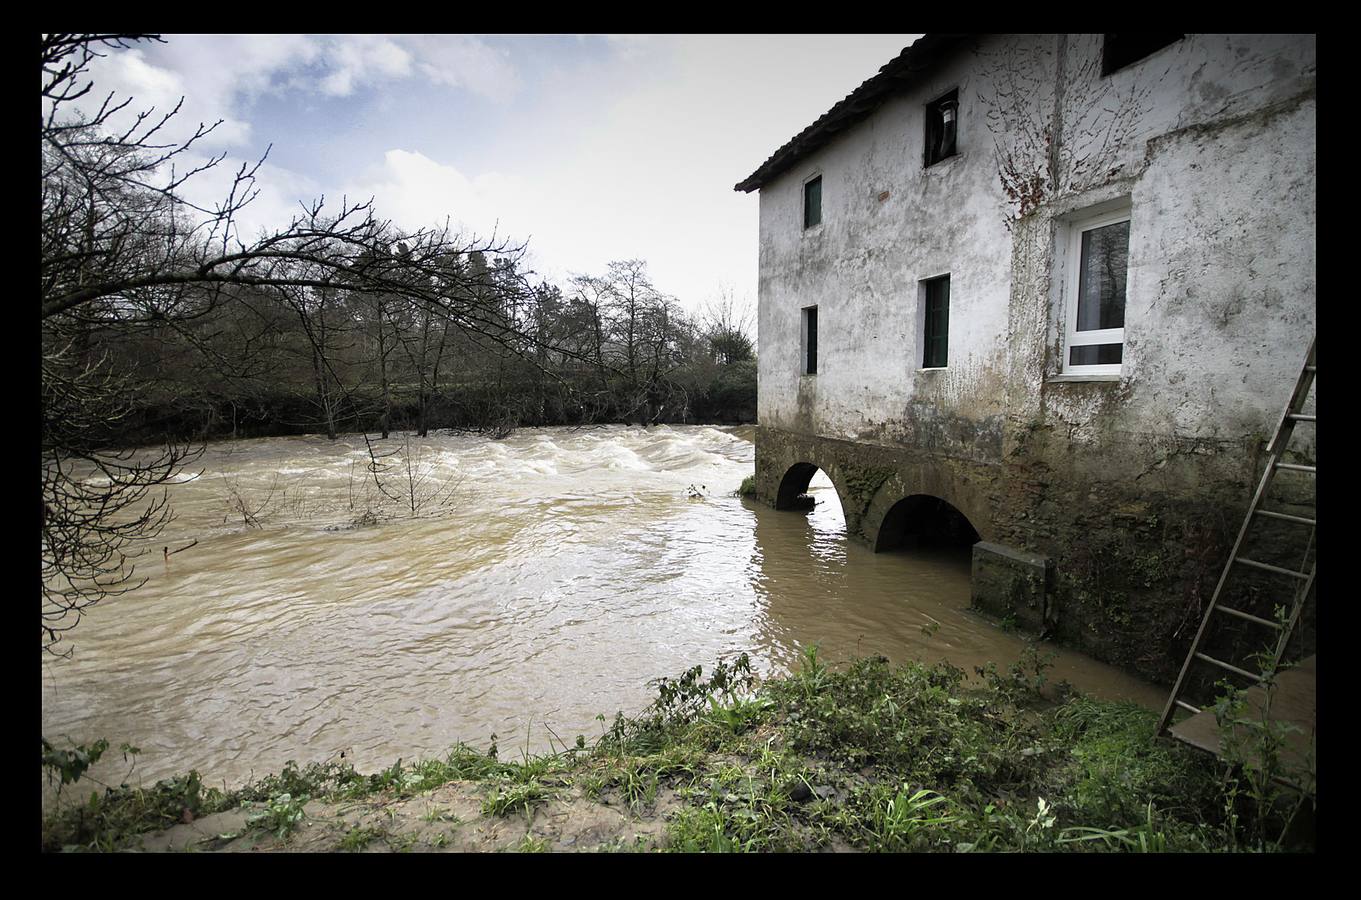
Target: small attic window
<point>1122,50</point>
<point>941,119</point>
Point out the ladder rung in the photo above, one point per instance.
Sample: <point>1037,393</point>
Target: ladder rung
<point>1234,669</point>
<point>1249,616</point>
<point>1293,413</point>
<point>1286,517</point>
<point>1270,568</point>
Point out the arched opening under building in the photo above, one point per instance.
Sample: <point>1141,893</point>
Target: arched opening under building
<point>807,488</point>
<point>924,521</point>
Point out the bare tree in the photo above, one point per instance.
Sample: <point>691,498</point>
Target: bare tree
<point>125,249</point>
<point>98,503</point>
<point>638,329</point>
<point>727,327</point>
<point>586,317</point>
<point>379,315</point>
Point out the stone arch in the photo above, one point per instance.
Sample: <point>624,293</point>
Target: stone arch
<point>924,517</point>
<point>795,482</point>
<point>869,480</point>
<point>898,507</point>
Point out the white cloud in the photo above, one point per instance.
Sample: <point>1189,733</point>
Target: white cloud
<point>362,59</point>
<point>154,86</point>
<point>219,74</point>
<point>128,76</point>
<point>571,225</point>
<point>466,62</point>
<point>222,70</point>
<point>415,191</point>
<point>632,46</point>
<point>213,74</point>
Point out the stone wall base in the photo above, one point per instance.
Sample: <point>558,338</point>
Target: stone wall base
<point>1079,544</point>
<point>1013,585</point>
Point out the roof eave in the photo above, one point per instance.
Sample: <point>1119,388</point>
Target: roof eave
<point>892,77</point>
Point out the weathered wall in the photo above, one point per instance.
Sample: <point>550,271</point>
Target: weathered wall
<point>1135,483</point>
<point>862,266</point>
<point>1219,170</point>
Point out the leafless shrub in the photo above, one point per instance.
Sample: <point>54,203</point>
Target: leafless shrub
<point>250,508</point>
<point>402,476</point>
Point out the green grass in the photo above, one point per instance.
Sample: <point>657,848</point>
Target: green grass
<point>358,838</point>
<point>531,844</point>
<point>506,797</point>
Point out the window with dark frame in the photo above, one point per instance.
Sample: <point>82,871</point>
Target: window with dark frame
<point>1120,50</point>
<point>942,117</point>
<point>812,202</point>
<point>810,340</point>
<point>936,328</point>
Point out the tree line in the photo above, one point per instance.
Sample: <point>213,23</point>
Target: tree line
<point>293,359</point>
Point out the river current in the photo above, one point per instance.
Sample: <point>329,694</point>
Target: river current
<point>520,587</point>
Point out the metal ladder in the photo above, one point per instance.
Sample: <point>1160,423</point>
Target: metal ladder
<point>1304,581</point>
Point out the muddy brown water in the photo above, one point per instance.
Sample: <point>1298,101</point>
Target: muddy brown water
<point>546,579</point>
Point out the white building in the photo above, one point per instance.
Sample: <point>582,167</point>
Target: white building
<point>1063,283</point>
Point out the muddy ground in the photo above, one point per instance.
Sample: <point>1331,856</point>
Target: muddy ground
<point>447,819</point>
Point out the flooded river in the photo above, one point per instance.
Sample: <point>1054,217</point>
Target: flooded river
<point>543,580</point>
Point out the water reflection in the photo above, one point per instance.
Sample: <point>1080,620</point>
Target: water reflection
<point>818,587</point>
<point>907,604</point>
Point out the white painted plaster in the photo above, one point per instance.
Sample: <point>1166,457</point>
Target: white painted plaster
<point>1218,169</point>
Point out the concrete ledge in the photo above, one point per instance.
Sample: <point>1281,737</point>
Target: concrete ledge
<point>1079,379</point>
<point>1011,583</point>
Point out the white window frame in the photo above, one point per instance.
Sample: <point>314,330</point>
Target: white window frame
<point>1073,337</point>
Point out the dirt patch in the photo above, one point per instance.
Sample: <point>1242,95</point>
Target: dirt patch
<point>446,819</point>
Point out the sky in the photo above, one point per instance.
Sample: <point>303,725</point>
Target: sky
<point>591,148</point>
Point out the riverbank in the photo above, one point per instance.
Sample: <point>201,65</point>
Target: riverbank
<point>867,757</point>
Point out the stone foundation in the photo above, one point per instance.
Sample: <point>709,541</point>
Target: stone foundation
<point>1012,585</point>
<point>1112,549</point>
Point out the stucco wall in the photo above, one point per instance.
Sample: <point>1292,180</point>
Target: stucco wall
<point>1219,170</point>
<point>861,267</point>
